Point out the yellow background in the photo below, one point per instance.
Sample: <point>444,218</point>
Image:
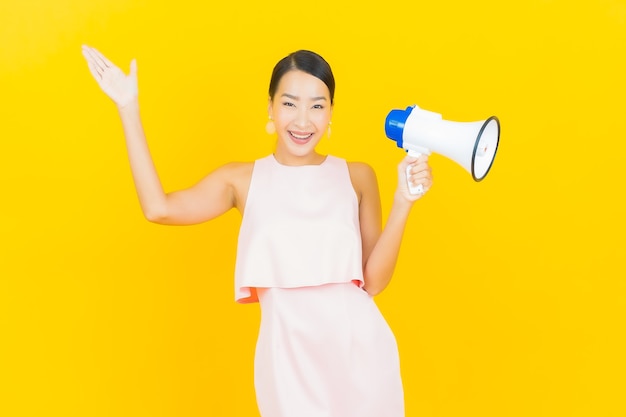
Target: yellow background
<point>509,297</point>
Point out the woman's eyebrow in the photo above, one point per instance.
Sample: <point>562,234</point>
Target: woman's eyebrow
<point>291,96</point>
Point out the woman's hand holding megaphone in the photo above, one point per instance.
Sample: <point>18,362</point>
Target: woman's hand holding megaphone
<point>121,88</point>
<point>414,172</point>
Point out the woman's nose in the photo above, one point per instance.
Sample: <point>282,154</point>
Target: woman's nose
<point>302,119</point>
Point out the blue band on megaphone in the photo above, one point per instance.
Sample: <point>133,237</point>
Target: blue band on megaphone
<point>394,124</point>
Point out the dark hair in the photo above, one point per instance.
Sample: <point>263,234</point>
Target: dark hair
<point>306,61</point>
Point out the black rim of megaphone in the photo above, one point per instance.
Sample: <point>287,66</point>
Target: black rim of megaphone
<point>480,133</point>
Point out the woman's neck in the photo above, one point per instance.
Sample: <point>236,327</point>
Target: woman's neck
<point>288,159</point>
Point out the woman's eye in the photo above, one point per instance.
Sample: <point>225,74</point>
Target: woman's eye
<point>288,104</point>
<point>318,106</point>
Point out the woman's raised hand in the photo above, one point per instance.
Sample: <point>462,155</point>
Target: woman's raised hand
<point>121,88</point>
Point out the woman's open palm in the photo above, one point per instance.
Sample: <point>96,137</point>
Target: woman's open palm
<point>120,87</point>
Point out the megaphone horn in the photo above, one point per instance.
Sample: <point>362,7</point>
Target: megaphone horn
<point>472,145</point>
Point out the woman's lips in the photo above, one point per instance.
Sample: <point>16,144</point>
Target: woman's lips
<point>300,137</point>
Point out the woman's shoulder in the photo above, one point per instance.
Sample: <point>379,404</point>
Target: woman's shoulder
<point>236,166</point>
<point>235,172</point>
<point>360,169</point>
<point>363,177</point>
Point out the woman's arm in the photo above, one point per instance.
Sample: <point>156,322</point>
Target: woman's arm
<point>212,196</point>
<point>381,247</point>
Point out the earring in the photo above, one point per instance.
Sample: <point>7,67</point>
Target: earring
<point>328,133</point>
<point>270,128</point>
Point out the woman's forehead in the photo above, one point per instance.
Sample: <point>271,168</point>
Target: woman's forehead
<point>302,85</point>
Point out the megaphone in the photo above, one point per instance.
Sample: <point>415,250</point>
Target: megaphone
<point>472,145</point>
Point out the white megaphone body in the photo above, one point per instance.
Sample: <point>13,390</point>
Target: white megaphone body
<point>472,145</point>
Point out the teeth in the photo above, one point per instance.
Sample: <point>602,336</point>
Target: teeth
<point>301,136</point>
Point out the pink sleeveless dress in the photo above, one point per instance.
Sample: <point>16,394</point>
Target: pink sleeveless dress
<point>324,349</point>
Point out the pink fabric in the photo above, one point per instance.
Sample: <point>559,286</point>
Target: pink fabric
<point>300,228</point>
<point>325,351</point>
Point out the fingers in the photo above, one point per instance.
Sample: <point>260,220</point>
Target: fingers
<point>417,164</point>
<point>419,172</point>
<point>97,62</point>
<point>94,71</point>
<point>102,59</point>
<point>93,55</point>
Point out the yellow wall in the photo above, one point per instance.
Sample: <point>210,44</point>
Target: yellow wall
<point>509,299</point>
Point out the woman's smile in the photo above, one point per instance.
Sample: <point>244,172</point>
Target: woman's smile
<point>300,137</point>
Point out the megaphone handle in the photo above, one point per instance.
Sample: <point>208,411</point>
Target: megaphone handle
<point>413,189</point>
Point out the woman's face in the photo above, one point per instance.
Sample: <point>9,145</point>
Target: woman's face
<point>301,110</point>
